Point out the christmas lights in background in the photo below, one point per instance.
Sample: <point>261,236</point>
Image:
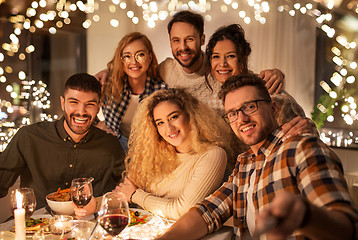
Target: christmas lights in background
<point>339,138</point>
<point>39,16</point>
<point>340,98</point>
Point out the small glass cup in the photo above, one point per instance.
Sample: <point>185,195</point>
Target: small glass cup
<point>61,224</point>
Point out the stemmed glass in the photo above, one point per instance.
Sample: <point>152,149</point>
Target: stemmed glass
<point>114,214</point>
<point>28,201</point>
<point>81,191</point>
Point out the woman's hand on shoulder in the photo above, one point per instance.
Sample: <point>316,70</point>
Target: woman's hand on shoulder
<point>102,76</point>
<point>274,79</point>
<point>102,125</point>
<point>297,126</point>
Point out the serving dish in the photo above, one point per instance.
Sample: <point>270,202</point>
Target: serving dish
<point>60,208</point>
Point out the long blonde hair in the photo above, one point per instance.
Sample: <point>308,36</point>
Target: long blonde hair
<point>150,158</point>
<point>113,87</point>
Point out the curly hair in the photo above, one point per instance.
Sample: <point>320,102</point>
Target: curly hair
<point>114,85</point>
<point>150,158</point>
<point>236,34</point>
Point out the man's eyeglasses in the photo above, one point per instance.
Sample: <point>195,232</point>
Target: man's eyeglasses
<point>139,57</point>
<point>246,109</point>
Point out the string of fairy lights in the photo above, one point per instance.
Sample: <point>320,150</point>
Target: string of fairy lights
<point>36,17</point>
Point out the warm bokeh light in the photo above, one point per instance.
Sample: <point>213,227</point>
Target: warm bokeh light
<point>114,23</point>
<point>52,30</point>
<point>36,17</point>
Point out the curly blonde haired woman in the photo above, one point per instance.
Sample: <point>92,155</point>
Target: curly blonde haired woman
<point>175,156</point>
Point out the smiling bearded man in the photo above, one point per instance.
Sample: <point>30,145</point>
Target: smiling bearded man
<point>285,190</point>
<point>253,125</point>
<point>80,110</point>
<point>48,155</point>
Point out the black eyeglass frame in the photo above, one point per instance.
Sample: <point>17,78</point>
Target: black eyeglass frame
<point>226,118</point>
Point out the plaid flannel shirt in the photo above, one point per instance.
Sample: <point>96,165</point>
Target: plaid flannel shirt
<point>114,112</point>
<point>301,165</point>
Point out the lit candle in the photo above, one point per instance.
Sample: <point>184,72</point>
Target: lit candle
<point>19,214</point>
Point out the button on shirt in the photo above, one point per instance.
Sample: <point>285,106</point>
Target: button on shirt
<point>301,165</point>
<point>46,158</point>
<point>113,112</point>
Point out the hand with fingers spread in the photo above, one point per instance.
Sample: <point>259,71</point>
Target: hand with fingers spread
<point>274,79</point>
<point>297,126</point>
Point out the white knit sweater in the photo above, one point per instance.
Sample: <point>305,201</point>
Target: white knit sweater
<point>195,178</point>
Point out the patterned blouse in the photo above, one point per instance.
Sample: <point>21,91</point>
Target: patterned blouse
<point>114,112</point>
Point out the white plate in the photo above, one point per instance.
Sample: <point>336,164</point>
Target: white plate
<point>10,224</point>
<point>143,213</point>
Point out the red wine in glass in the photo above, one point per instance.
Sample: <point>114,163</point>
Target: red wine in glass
<point>114,213</point>
<point>113,223</point>
<point>81,191</point>
<point>81,200</point>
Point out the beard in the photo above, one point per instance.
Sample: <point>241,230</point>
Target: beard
<point>75,128</point>
<point>196,55</point>
<point>258,136</point>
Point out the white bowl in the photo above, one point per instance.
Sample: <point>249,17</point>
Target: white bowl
<point>60,208</point>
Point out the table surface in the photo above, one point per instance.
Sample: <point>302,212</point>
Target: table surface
<point>41,211</point>
<point>225,233</point>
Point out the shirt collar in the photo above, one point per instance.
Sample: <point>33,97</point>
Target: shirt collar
<point>271,141</point>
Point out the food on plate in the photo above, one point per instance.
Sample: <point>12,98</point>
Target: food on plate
<point>34,224</point>
<point>137,218</point>
<point>61,195</point>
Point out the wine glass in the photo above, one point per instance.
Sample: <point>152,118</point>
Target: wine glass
<point>114,214</point>
<point>81,191</point>
<point>28,201</point>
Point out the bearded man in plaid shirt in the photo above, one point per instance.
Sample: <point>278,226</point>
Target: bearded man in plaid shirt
<point>278,190</point>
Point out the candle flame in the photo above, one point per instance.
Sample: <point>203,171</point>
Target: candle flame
<point>18,199</point>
